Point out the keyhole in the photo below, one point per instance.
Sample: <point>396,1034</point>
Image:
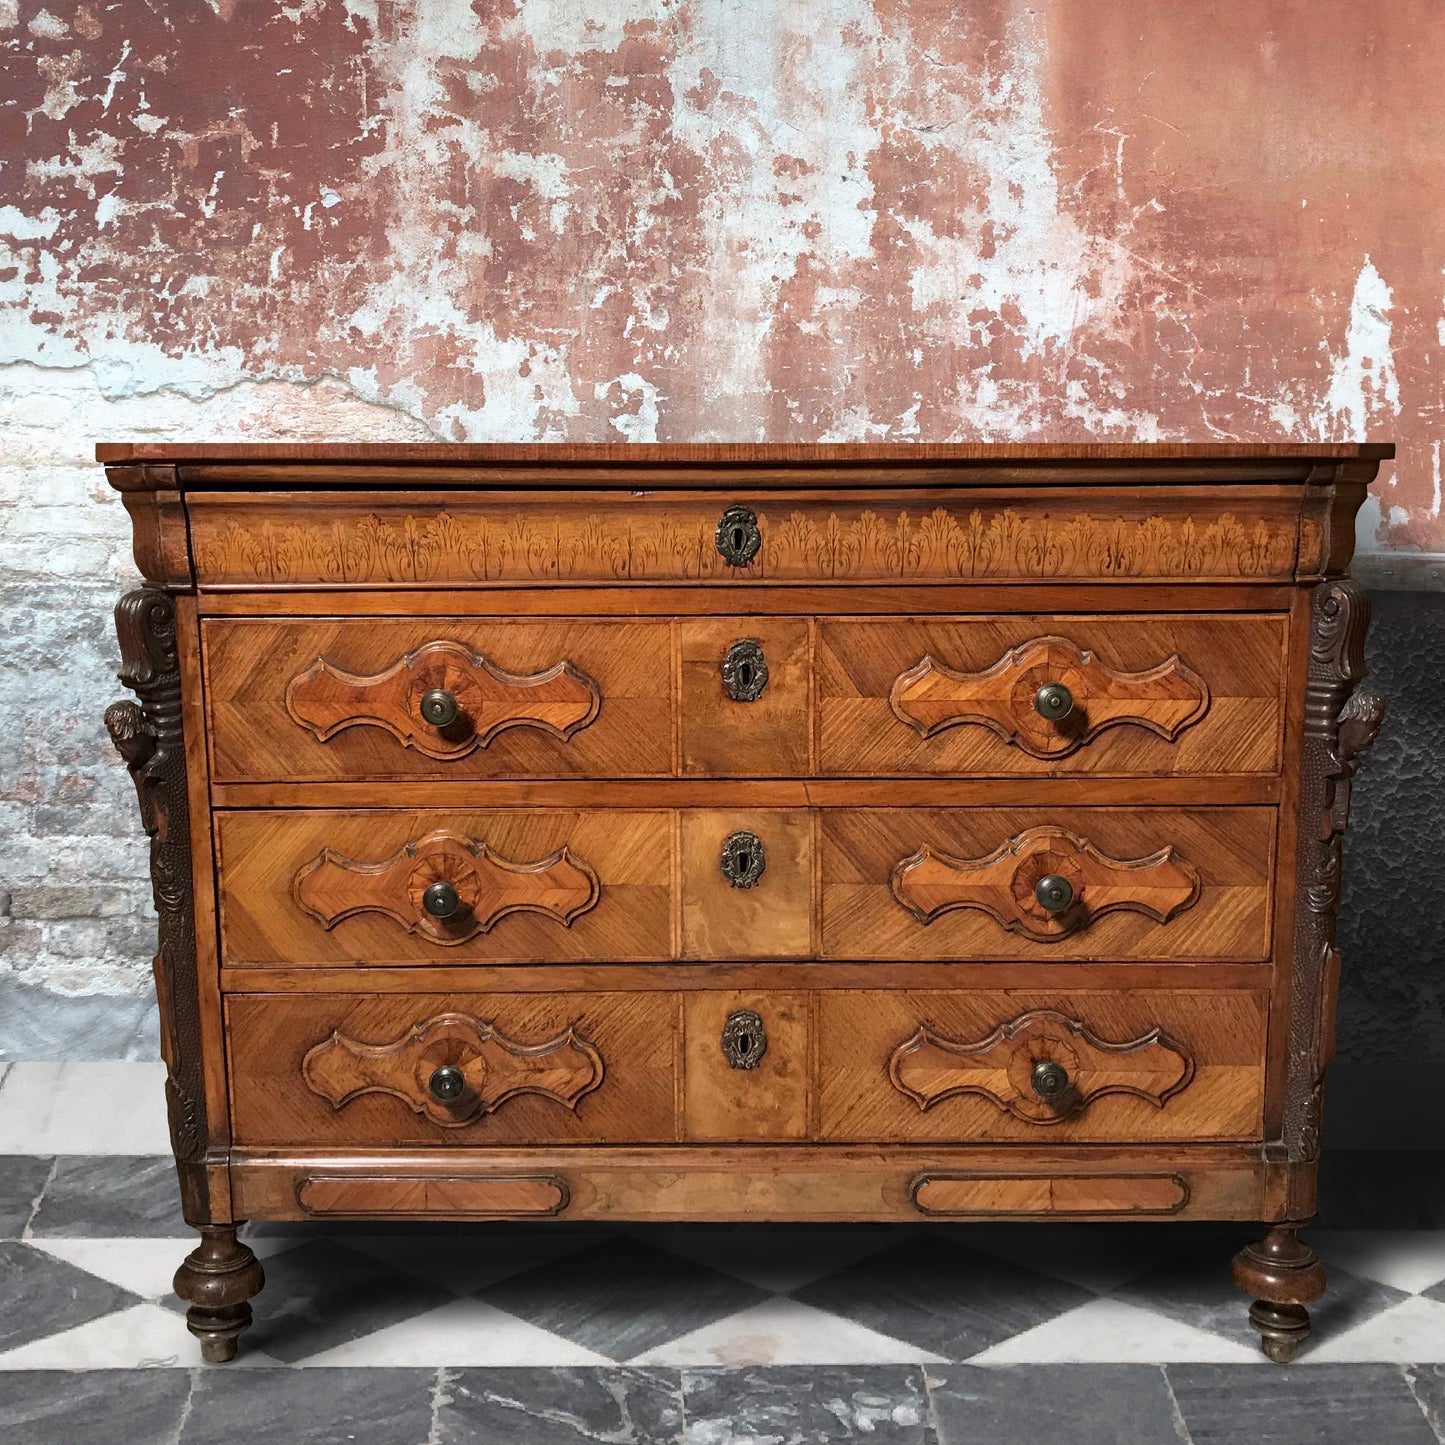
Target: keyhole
<point>737,539</point>
<point>745,1044</point>
<point>745,860</point>
<point>747,674</point>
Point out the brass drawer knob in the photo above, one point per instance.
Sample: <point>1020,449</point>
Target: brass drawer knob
<point>1053,702</point>
<point>737,537</point>
<point>439,707</point>
<point>1054,893</point>
<point>744,1039</point>
<point>446,1084</point>
<point>743,859</point>
<point>1049,1079</point>
<point>441,900</point>
<point>745,670</point>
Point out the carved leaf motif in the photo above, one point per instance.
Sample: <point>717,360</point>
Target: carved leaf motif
<point>931,697</point>
<point>930,1068</point>
<point>494,1068</point>
<point>325,699</point>
<point>489,887</point>
<point>930,883</point>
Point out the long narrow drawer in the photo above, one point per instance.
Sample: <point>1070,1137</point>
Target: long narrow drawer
<point>1046,695</point>
<point>1046,1068</point>
<point>450,1070</point>
<point>1046,884</point>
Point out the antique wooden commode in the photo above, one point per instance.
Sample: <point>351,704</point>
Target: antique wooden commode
<point>745,832</point>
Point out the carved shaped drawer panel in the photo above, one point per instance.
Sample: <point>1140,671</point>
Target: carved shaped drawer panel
<point>1048,1068</point>
<point>1048,885</point>
<point>450,1070</point>
<point>1040,695</point>
<point>438,697</point>
<point>402,886</point>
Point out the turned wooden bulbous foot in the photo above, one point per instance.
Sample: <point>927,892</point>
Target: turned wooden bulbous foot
<point>1283,1275</point>
<point>218,1280</point>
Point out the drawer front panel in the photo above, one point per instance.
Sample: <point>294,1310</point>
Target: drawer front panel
<point>356,700</point>
<point>1048,1068</point>
<point>402,886</point>
<point>1124,696</point>
<point>1046,885</point>
<point>451,1070</point>
<point>565,539</point>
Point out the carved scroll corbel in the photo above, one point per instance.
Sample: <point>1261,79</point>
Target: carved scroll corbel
<point>148,737</point>
<point>1339,725</point>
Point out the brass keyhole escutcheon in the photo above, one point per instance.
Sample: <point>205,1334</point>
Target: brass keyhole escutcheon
<point>737,538</point>
<point>744,1039</point>
<point>743,859</point>
<point>745,670</point>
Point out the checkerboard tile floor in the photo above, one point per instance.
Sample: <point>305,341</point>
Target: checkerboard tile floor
<point>705,1335</point>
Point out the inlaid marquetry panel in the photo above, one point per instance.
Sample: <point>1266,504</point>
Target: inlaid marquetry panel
<point>1151,883</point>
<point>322,887</point>
<point>315,700</point>
<point>1152,1064</point>
<point>540,540</point>
<point>601,1068</point>
<point>1151,695</point>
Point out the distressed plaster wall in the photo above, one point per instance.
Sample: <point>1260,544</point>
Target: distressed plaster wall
<point>659,219</point>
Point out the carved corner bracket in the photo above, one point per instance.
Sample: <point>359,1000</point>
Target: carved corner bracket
<point>444,700</point>
<point>1340,724</point>
<point>1045,884</point>
<point>148,737</point>
<point>454,1069</point>
<point>1088,696</point>
<point>1042,1067</point>
<point>446,887</point>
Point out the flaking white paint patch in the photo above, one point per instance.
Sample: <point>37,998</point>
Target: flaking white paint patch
<point>567,28</point>
<point>1363,387</point>
<point>1434,479</point>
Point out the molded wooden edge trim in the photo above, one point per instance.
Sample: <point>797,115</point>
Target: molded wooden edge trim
<point>1103,1177</point>
<point>375,1187</point>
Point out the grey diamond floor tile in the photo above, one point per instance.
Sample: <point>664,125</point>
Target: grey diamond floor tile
<point>880,1404</point>
<point>1196,1289</point>
<point>92,1407</point>
<point>1428,1384</point>
<point>112,1196</point>
<point>322,1294</point>
<point>947,1299</point>
<point>1298,1405</point>
<point>22,1176</point>
<point>1381,1189</point>
<point>621,1297</point>
<point>320,1406</point>
<point>1026,1404</point>
<point>42,1296</point>
<point>560,1407</point>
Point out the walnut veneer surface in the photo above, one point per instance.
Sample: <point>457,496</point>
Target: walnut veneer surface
<point>733,832</point>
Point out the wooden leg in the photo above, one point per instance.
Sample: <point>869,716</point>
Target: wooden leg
<point>217,1281</point>
<point>1283,1275</point>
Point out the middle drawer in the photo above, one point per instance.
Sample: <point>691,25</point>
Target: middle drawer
<point>396,886</point>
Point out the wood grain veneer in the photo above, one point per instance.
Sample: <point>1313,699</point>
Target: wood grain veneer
<point>680,832</point>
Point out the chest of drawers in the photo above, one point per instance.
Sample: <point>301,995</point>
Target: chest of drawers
<point>745,833</point>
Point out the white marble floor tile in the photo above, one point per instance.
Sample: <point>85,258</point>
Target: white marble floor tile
<point>141,1337</point>
<point>89,1108</point>
<point>1409,1259</point>
<point>782,1261</point>
<point>1109,1331</point>
<point>1412,1331</point>
<point>462,1333</point>
<point>781,1331</point>
<point>146,1267</point>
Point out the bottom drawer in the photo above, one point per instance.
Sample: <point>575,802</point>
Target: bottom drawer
<point>1097,1066</point>
<point>451,1069</point>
